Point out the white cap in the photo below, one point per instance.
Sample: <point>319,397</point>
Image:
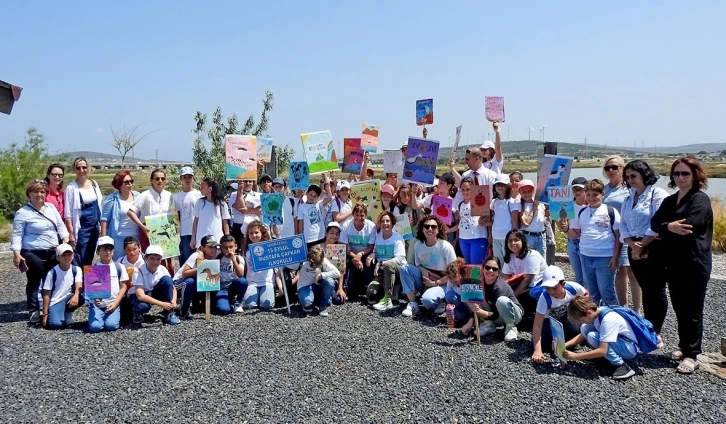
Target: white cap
<point>235,186</point>
<point>487,145</point>
<point>552,276</point>
<point>342,184</point>
<point>154,250</point>
<point>63,248</point>
<point>105,241</point>
<point>501,179</point>
<point>186,170</point>
<point>333,224</point>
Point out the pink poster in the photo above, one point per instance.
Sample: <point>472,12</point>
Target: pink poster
<point>442,207</point>
<point>494,108</point>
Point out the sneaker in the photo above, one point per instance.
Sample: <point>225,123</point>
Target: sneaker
<point>68,318</point>
<point>623,372</point>
<point>510,333</point>
<point>35,317</point>
<point>238,308</point>
<point>172,319</point>
<point>384,305</point>
<point>411,309</point>
<point>137,319</point>
<point>487,328</point>
<point>323,313</point>
<point>440,309</point>
<point>187,315</point>
<point>308,309</point>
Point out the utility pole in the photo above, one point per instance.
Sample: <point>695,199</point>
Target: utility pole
<point>157,158</point>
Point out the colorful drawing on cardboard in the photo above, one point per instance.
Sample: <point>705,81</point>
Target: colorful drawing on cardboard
<point>555,171</point>
<point>392,161</point>
<point>369,138</point>
<point>319,152</point>
<point>241,157</point>
<point>424,112</point>
<point>353,151</point>
<point>162,231</point>
<point>97,281</point>
<point>561,201</point>
<point>208,277</point>
<point>272,208</point>
<point>471,283</point>
<point>480,200</point>
<point>299,176</point>
<point>442,207</point>
<point>368,193</point>
<point>558,339</point>
<point>264,149</point>
<point>336,255</point>
<point>419,166</point>
<point>494,108</point>
<point>403,226</point>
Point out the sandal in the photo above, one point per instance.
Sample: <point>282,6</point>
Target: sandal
<point>687,366</point>
<point>677,356</point>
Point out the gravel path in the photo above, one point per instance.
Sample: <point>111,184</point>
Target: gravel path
<point>353,366</point>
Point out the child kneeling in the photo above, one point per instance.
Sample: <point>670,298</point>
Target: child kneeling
<point>153,285</point>
<point>105,313</point>
<point>62,290</point>
<point>316,280</point>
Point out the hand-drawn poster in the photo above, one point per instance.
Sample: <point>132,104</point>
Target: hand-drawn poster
<point>299,176</point>
<point>558,339</point>
<point>456,140</point>
<point>403,226</point>
<point>555,171</point>
<point>480,200</point>
<point>336,255</point>
<point>562,202</point>
<point>368,193</point>
<point>264,149</point>
<point>369,138</point>
<point>208,278</point>
<point>272,208</point>
<point>494,108</point>
<point>97,281</point>
<point>442,207</point>
<point>353,159</point>
<point>162,231</point>
<point>241,154</point>
<point>319,152</point>
<point>392,161</point>
<point>424,112</point>
<point>471,284</point>
<point>419,167</point>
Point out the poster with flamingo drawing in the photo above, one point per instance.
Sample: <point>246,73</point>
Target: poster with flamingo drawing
<point>162,231</point>
<point>369,138</point>
<point>555,171</point>
<point>208,278</point>
<point>353,155</point>
<point>319,152</point>
<point>419,166</point>
<point>241,157</point>
<point>424,112</point>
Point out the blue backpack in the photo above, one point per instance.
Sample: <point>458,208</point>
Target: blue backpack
<point>548,299</point>
<point>646,339</point>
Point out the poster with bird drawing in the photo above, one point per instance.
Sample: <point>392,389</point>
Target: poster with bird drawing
<point>241,157</point>
<point>419,166</point>
<point>424,112</point>
<point>264,149</point>
<point>562,202</point>
<point>162,231</point>
<point>208,278</point>
<point>555,171</point>
<point>319,152</point>
<point>353,155</point>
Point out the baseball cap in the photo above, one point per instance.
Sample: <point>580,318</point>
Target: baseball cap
<point>387,188</point>
<point>263,178</point>
<point>209,241</point>
<point>342,184</point>
<point>487,145</point>
<point>154,250</point>
<point>552,276</point>
<point>63,248</point>
<point>234,186</point>
<point>104,241</point>
<point>186,170</point>
<point>405,144</point>
<point>526,183</point>
<point>333,224</point>
<point>448,178</point>
<point>579,182</point>
<point>278,180</point>
<point>501,179</point>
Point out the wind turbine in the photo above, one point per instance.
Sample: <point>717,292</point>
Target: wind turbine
<point>542,129</point>
<point>529,133</point>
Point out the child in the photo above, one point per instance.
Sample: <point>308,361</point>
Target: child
<point>553,304</point>
<point>573,241</point>
<point>316,280</point>
<point>332,236</point>
<point>211,214</point>
<point>532,218</point>
<point>505,214</point>
<point>611,336</point>
<point>62,290</point>
<point>233,284</point>
<point>152,285</point>
<point>472,235</point>
<point>309,217</point>
<point>598,228</point>
<point>132,253</point>
<point>185,278</point>
<point>105,313</point>
<point>260,284</point>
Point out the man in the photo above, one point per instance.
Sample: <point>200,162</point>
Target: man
<point>480,174</point>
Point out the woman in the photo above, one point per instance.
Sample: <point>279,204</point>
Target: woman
<point>37,230</point>
<point>389,255</point>
<point>82,212</point>
<point>615,193</point>
<point>54,177</point>
<point>684,223</point>
<point>154,201</point>
<point>401,207</point>
<point>492,152</point>
<point>428,273</point>
<point>523,269</point>
<point>115,221</point>
<point>644,253</point>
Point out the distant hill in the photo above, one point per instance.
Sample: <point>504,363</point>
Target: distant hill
<point>109,158</point>
<point>690,148</point>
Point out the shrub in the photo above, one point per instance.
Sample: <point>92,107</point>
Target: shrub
<point>719,224</point>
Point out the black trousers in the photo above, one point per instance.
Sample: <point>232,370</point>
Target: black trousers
<point>650,273</point>
<point>39,263</point>
<point>237,234</point>
<point>687,286</point>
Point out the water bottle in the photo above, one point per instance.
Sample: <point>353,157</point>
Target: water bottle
<point>450,316</point>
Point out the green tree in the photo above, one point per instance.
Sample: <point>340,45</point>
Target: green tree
<point>19,165</point>
<point>210,161</point>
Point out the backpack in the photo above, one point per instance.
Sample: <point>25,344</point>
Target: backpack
<point>548,299</point>
<point>646,339</point>
<point>74,270</point>
<point>611,214</point>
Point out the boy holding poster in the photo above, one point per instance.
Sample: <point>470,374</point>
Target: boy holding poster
<point>105,313</point>
<point>62,290</point>
<point>152,285</point>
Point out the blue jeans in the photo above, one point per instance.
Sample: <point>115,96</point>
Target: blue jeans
<point>56,313</point>
<point>538,243</point>
<point>185,250</point>
<point>322,292</point>
<point>99,319</point>
<point>473,250</point>
<point>226,298</point>
<point>255,296</point>
<point>461,310</point>
<point>599,279</point>
<point>573,252</point>
<point>163,291</point>
<point>412,280</point>
<point>187,288</point>
<point>617,352</point>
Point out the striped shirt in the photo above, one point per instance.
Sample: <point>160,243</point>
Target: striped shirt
<point>635,220</point>
<point>31,231</point>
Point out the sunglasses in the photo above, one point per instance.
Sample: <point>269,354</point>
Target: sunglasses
<point>430,226</point>
<point>491,268</point>
<point>611,168</point>
<point>159,179</point>
<point>631,176</point>
<point>680,174</point>
<point>129,182</point>
<point>56,175</point>
<point>81,168</point>
<point>41,182</point>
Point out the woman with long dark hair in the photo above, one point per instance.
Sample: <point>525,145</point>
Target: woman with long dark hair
<point>211,214</point>
<point>55,194</point>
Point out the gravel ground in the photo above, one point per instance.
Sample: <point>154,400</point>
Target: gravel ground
<point>354,366</point>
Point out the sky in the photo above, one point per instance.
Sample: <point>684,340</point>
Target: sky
<point>616,73</point>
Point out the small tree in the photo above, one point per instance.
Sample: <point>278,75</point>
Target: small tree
<point>21,164</point>
<point>211,161</point>
<point>127,140</point>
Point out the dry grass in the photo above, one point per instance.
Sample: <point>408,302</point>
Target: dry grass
<point>6,229</point>
<point>719,224</point>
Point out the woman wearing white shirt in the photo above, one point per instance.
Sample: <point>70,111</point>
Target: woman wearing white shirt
<point>82,209</point>
<point>389,254</point>
<point>153,201</point>
<point>532,216</point>
<point>115,221</point>
<point>493,152</point>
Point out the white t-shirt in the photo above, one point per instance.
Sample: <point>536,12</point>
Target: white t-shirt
<point>184,202</point>
<point>612,326</point>
<point>252,200</point>
<point>289,211</point>
<point>210,218</point>
<point>191,263</point>
<point>226,269</point>
<point>436,257</point>
<point>389,248</point>
<point>344,208</point>
<point>88,195</point>
<point>494,164</point>
<point>259,278</point>
<point>124,262</point>
<point>358,241</point>
<point>578,208</point>
<point>126,227</point>
<point>147,280</point>
<point>533,264</point>
<point>538,222</point>
<point>596,237</point>
<point>485,176</point>
<point>115,285</point>
<point>311,214</point>
<point>307,273</point>
<point>559,306</point>
<point>469,227</point>
<point>502,219</point>
<point>63,284</point>
<point>152,203</point>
